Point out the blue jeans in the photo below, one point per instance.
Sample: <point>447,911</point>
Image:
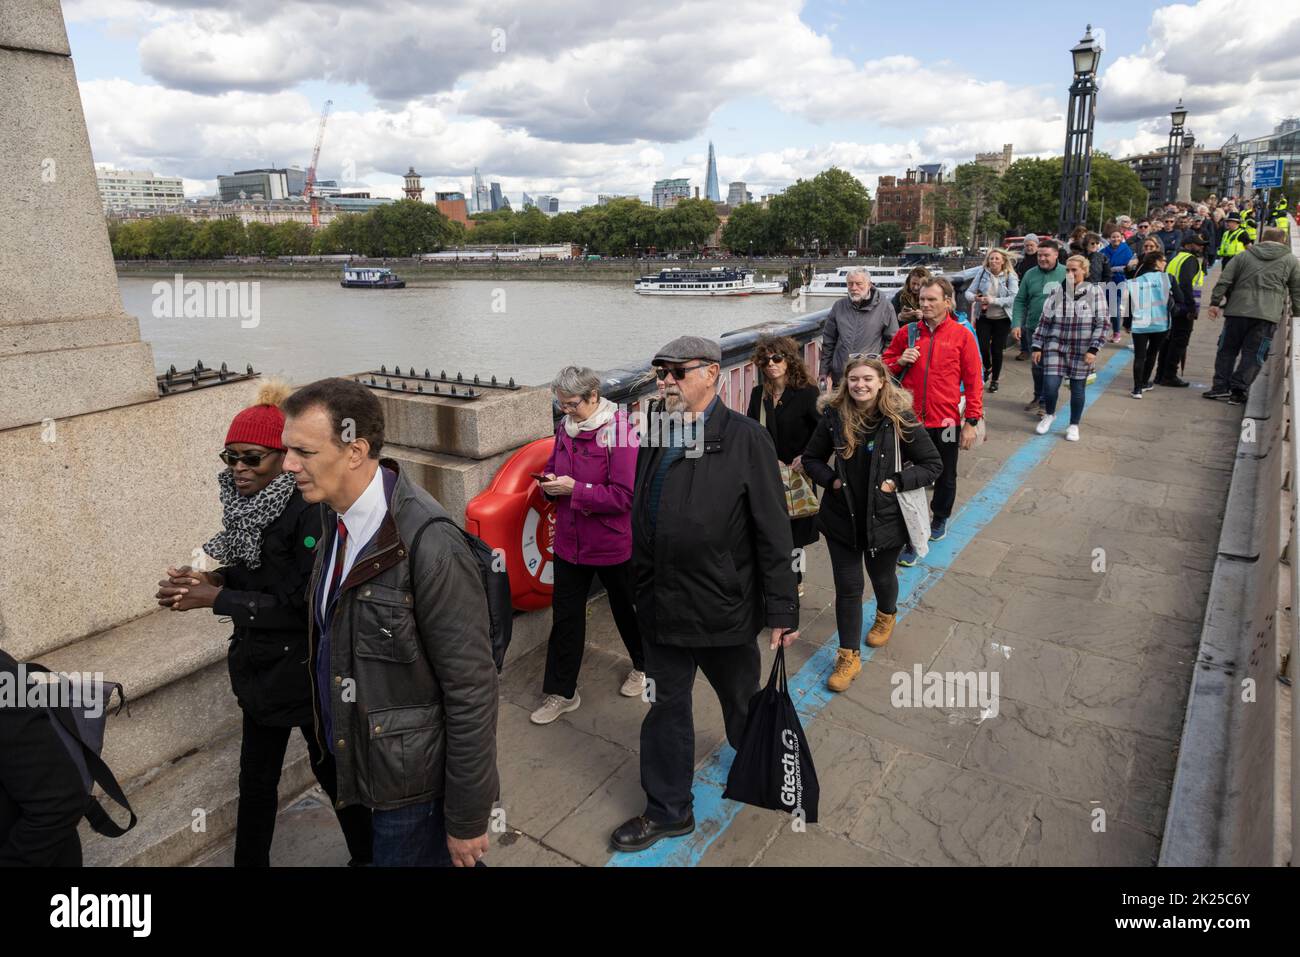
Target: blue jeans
<point>411,836</point>
<point>1036,370</point>
<point>1052,386</point>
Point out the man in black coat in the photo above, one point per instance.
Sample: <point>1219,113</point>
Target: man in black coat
<point>42,798</point>
<point>711,553</point>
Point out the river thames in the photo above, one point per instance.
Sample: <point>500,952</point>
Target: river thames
<point>523,329</point>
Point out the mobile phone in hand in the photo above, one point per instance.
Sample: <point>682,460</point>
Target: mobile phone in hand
<point>540,476</point>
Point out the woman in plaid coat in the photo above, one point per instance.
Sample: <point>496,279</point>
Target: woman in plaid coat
<point>1067,340</point>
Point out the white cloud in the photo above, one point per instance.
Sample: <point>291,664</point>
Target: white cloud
<point>1234,63</point>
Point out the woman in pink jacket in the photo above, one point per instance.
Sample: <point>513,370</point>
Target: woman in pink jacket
<point>589,476</point>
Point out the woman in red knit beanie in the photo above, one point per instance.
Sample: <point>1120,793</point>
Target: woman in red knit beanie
<point>266,549</point>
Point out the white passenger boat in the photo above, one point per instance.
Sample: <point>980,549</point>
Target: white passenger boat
<point>717,281</point>
<point>888,279</point>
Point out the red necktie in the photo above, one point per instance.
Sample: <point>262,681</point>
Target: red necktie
<point>337,577</point>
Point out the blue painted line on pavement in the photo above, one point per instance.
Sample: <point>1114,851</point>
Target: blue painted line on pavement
<point>713,812</point>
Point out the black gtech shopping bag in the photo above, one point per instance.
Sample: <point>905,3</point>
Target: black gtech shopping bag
<point>774,767</point>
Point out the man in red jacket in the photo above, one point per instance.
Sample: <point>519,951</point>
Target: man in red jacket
<point>944,358</point>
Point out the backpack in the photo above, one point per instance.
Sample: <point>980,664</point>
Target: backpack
<point>496,584</point>
<point>83,736</point>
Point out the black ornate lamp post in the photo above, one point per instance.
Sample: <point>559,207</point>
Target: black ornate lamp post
<point>1173,161</point>
<point>1077,167</point>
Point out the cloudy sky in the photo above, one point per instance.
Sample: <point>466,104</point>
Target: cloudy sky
<point>581,97</point>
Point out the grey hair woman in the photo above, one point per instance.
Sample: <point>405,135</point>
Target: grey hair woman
<point>589,476</point>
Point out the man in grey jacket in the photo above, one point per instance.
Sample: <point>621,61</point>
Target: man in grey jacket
<point>1258,288</point>
<point>863,321</point>
<point>403,682</point>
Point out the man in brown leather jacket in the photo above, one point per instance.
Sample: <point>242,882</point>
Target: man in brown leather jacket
<point>403,681</point>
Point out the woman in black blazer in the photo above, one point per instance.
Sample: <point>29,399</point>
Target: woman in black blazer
<point>785,401</point>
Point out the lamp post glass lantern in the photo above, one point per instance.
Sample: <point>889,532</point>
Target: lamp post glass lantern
<point>1076,169</point>
<point>1173,158</point>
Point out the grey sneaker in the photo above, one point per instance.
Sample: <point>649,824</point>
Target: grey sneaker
<point>553,706</point>
<point>633,684</point>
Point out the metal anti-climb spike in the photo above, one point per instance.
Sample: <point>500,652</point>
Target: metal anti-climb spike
<point>426,373</point>
<point>383,370</point>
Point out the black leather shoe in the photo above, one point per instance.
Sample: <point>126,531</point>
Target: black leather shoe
<point>641,832</point>
<point>1173,382</point>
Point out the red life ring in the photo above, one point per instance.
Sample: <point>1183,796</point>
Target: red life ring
<point>514,516</point>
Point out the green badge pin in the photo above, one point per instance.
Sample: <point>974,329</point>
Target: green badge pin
<point>309,541</point>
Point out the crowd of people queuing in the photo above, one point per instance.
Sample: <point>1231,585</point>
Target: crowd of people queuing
<point>358,610</point>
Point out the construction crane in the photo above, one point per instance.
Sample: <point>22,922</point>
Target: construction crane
<point>309,188</point>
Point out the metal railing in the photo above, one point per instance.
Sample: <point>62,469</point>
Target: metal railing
<point>1294,560</point>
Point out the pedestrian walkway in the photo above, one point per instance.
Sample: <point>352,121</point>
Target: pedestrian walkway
<point>1075,572</point>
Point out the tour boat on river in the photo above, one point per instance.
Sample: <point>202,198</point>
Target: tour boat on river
<point>717,281</point>
<point>370,277</point>
<point>888,279</point>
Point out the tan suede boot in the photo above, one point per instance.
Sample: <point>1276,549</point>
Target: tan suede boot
<point>881,629</point>
<point>847,665</point>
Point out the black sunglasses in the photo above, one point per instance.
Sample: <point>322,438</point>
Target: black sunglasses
<point>251,459</point>
<point>771,360</point>
<point>678,372</point>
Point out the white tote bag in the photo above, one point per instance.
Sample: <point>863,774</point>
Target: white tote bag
<point>915,507</point>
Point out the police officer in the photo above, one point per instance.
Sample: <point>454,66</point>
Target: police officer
<point>1185,273</point>
<point>1235,238</point>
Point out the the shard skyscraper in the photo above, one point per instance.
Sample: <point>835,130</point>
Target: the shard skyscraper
<point>711,190</point>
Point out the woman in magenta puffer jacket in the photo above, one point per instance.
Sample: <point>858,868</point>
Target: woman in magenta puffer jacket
<point>589,476</point>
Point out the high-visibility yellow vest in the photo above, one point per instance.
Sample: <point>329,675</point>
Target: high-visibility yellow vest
<point>1282,221</point>
<point>1231,243</point>
<point>1176,264</point>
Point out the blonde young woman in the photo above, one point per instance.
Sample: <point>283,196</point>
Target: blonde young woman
<point>991,296</point>
<point>860,515</point>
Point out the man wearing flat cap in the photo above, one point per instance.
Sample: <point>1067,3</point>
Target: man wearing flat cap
<point>712,564</point>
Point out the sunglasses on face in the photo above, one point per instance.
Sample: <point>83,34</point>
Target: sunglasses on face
<point>678,372</point>
<point>251,459</point>
<point>772,360</point>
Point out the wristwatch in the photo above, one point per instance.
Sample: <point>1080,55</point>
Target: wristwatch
<point>973,423</point>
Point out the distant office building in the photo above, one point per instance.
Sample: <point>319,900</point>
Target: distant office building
<point>666,192</point>
<point>737,195</point>
<point>453,206</point>
<point>1283,143</point>
<point>604,199</point>
<point>327,187</point>
<point>411,185</point>
<point>137,189</point>
<point>268,185</point>
<point>1199,172</point>
<point>711,178</point>
<point>548,204</point>
<point>998,162</point>
<point>480,198</point>
<point>528,202</point>
<point>496,197</point>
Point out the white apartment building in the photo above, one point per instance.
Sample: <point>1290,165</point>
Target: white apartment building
<point>121,189</point>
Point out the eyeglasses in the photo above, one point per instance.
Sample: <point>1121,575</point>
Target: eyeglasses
<point>573,405</point>
<point>863,355</point>
<point>251,459</point>
<point>771,360</point>
<point>678,372</point>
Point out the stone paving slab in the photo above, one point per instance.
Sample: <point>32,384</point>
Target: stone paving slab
<point>1084,594</point>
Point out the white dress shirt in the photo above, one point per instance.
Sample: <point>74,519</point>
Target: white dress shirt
<point>362,520</point>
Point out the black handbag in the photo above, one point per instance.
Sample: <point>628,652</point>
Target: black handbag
<point>774,768</point>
